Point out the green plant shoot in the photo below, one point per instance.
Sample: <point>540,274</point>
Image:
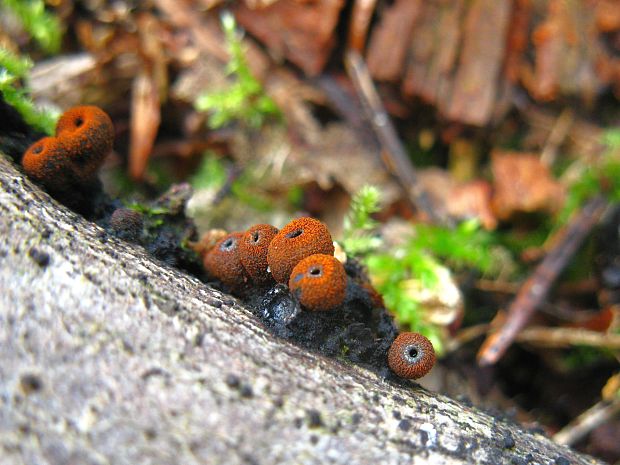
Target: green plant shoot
<point>421,261</point>
<point>43,26</point>
<point>358,224</point>
<point>13,69</point>
<point>244,100</point>
<point>601,177</point>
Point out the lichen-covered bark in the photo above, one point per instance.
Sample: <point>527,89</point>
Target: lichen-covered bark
<point>109,357</point>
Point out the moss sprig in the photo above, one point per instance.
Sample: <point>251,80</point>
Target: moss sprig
<point>13,70</point>
<point>595,178</point>
<point>245,99</point>
<point>358,237</point>
<point>43,26</point>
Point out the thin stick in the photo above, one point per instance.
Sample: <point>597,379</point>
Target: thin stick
<point>360,20</point>
<point>395,156</point>
<point>535,289</point>
<point>557,136</point>
<point>587,421</point>
<point>566,337</point>
<point>466,335</point>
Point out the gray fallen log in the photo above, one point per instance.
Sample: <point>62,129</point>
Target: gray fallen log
<point>109,357</point>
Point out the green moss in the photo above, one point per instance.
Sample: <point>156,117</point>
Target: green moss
<point>148,210</point>
<point>13,70</point>
<point>422,257</point>
<point>577,358</point>
<point>358,238</point>
<point>210,174</point>
<point>244,100</point>
<point>43,26</point>
<point>466,246</point>
<point>599,177</point>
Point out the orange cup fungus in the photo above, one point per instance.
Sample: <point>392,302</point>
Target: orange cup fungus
<point>319,282</point>
<point>46,162</point>
<point>253,252</point>
<point>411,355</point>
<point>223,261</point>
<point>297,240</point>
<point>90,133</point>
<point>84,136</point>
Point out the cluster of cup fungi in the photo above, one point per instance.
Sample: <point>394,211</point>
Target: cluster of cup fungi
<point>300,255</point>
<point>67,163</point>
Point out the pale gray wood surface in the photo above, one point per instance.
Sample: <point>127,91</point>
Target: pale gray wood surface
<point>109,357</point>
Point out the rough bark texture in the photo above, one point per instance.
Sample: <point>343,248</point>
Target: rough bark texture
<point>109,357</point>
<point>474,59</point>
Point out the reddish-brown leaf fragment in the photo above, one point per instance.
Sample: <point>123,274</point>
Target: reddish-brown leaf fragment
<point>302,32</point>
<point>522,183</point>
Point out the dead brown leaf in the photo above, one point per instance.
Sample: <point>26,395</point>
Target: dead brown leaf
<point>521,183</point>
<point>145,119</point>
<point>567,48</point>
<point>518,39</point>
<point>325,157</point>
<point>433,51</point>
<point>300,31</point>
<point>473,200</point>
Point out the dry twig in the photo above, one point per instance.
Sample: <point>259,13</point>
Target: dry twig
<point>587,421</point>
<point>360,20</point>
<point>535,289</point>
<point>566,337</point>
<point>395,156</point>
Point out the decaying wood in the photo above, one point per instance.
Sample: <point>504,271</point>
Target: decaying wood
<point>388,63</point>
<point>108,356</point>
<point>472,59</point>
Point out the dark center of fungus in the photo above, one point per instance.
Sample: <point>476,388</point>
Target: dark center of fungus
<point>412,354</point>
<point>294,234</point>
<point>228,245</point>
<point>315,271</point>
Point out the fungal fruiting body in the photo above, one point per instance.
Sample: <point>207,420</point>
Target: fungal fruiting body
<point>88,133</point>
<point>297,240</point>
<point>318,301</point>
<point>84,136</point>
<point>253,252</point>
<point>223,262</point>
<point>127,223</point>
<point>319,282</point>
<point>411,355</point>
<point>46,162</point>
